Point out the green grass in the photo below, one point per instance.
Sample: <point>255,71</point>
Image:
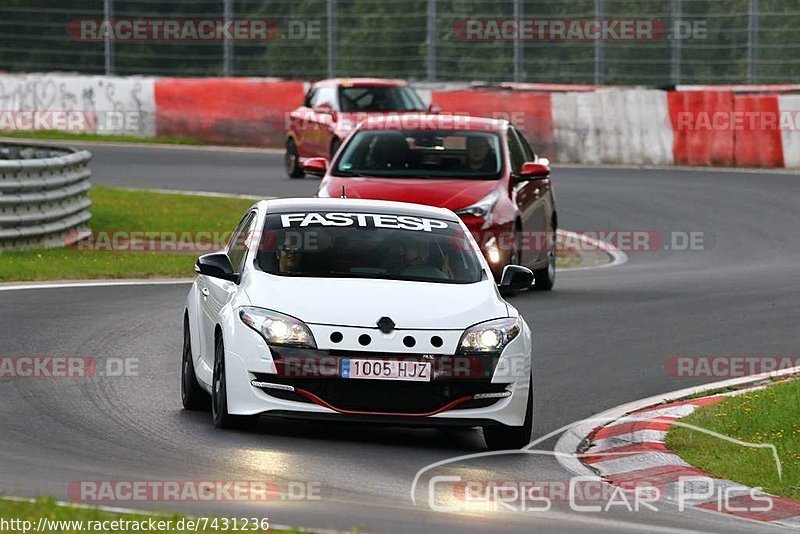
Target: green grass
<point>121,210</point>
<point>49,509</point>
<point>568,258</point>
<point>57,135</point>
<point>769,416</point>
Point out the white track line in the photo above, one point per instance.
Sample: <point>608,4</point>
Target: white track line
<point>678,168</point>
<point>16,286</point>
<point>158,146</point>
<point>211,194</point>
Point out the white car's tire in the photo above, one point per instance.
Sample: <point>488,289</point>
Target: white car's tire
<point>219,395</point>
<point>502,437</point>
<point>192,395</point>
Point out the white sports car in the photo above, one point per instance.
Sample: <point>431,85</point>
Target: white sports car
<point>357,310</point>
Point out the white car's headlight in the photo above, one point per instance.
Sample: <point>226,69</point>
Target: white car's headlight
<point>277,328</point>
<point>489,337</point>
<point>481,208</point>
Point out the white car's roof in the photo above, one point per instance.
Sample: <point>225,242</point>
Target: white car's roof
<point>283,205</point>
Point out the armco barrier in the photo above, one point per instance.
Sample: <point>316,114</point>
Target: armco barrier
<point>42,195</point>
<point>226,110</point>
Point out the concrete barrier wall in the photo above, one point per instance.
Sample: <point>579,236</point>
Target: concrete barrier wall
<point>226,111</point>
<point>531,112</point>
<point>790,137</point>
<point>96,104</point>
<point>706,126</point>
<point>613,126</point>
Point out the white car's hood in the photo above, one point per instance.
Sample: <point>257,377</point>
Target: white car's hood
<point>362,302</point>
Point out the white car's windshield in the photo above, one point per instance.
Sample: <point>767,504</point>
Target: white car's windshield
<point>367,245</point>
<point>421,154</point>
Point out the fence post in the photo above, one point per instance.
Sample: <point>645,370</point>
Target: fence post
<point>431,40</point>
<point>677,14</point>
<point>331,28</point>
<point>599,46</point>
<point>518,42</point>
<point>108,44</point>
<point>227,46</point>
<point>752,41</point>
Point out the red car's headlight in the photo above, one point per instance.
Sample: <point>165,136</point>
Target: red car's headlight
<point>482,208</point>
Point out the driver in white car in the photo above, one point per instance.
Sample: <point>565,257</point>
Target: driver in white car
<point>416,260</point>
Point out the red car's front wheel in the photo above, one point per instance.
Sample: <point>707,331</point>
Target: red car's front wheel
<point>545,278</point>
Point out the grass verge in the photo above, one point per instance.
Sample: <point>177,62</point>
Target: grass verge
<point>566,258</point>
<point>121,210</point>
<point>767,416</point>
<point>69,519</point>
<point>128,210</point>
<point>57,135</point>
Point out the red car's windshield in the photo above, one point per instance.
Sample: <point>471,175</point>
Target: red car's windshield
<point>379,98</point>
<point>421,154</point>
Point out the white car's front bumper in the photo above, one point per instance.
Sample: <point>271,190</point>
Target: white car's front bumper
<point>248,358</point>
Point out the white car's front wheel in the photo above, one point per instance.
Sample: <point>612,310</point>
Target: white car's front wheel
<point>219,395</point>
<point>502,437</point>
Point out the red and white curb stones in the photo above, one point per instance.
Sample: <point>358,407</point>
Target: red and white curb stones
<point>631,451</point>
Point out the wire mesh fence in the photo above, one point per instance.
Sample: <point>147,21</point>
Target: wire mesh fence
<point>575,41</point>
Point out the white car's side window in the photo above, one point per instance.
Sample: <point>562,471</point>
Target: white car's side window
<point>238,244</point>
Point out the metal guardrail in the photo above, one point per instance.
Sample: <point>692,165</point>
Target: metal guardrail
<point>43,200</point>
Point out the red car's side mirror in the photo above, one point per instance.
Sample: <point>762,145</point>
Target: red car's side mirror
<point>534,171</point>
<point>316,166</point>
<point>434,109</point>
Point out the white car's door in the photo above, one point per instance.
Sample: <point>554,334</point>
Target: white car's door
<point>215,293</point>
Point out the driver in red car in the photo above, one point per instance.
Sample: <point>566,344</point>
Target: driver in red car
<point>478,155</point>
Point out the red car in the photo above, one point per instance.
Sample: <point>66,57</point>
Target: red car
<point>333,108</point>
<point>482,169</point>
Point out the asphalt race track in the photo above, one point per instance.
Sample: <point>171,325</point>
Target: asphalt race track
<point>601,339</point>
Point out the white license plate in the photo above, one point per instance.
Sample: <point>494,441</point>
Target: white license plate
<point>386,370</point>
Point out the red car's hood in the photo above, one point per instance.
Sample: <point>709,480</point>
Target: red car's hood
<point>444,193</point>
